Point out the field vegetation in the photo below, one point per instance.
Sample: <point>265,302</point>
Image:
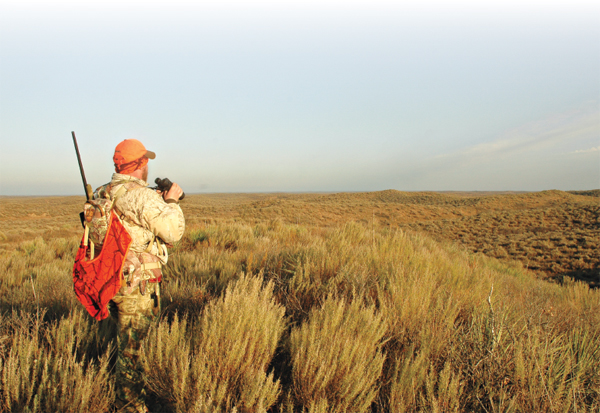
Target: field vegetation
<point>383,301</point>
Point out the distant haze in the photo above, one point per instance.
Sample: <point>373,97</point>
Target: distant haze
<point>303,96</point>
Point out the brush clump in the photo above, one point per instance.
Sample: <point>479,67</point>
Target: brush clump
<point>219,363</point>
<point>337,357</point>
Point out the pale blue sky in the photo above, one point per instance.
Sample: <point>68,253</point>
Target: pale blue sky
<point>311,96</point>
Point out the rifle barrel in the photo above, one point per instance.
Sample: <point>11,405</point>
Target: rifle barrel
<point>86,187</point>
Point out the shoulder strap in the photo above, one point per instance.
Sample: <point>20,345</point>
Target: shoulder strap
<point>120,192</point>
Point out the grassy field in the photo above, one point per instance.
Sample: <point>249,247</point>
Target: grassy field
<point>381,301</point>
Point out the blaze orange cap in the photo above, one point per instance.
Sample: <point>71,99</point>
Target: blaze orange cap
<point>129,154</point>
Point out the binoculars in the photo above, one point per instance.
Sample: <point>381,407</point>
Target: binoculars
<point>164,185</point>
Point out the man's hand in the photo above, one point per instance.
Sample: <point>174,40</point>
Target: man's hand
<point>174,193</point>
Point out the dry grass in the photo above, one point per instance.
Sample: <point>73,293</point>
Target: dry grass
<point>554,241</point>
<point>44,368</point>
<point>315,302</point>
<point>26,218</point>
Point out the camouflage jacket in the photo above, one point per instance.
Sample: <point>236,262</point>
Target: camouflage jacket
<point>149,220</point>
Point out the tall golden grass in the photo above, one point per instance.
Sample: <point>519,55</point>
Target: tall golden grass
<point>277,316</point>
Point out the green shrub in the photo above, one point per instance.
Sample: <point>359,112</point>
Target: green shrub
<point>337,358</point>
<point>220,364</point>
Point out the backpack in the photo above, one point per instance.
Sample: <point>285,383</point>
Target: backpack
<point>101,254</point>
<point>96,215</point>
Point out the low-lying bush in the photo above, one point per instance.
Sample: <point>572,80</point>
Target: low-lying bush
<point>219,362</point>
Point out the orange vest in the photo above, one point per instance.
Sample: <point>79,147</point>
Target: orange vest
<point>99,279</point>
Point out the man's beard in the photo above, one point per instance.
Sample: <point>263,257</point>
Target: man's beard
<point>145,174</point>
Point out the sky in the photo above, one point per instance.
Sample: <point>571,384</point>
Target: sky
<point>265,96</point>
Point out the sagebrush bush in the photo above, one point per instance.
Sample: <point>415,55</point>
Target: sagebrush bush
<point>220,363</point>
<point>337,358</point>
<point>167,361</point>
<point>237,338</point>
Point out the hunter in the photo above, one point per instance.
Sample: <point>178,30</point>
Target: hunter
<point>154,220</point>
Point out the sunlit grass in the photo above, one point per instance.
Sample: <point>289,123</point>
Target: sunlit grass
<point>272,315</point>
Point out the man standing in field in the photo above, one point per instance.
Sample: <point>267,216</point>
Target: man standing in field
<point>153,220</point>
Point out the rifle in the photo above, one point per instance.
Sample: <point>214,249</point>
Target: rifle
<point>86,187</point>
<point>89,194</point>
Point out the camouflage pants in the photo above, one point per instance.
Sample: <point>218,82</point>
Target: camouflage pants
<point>134,313</point>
